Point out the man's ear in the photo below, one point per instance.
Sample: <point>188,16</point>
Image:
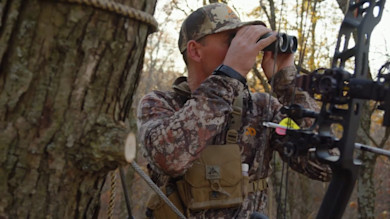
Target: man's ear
<point>193,52</point>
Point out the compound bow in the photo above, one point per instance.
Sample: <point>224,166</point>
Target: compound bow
<point>342,95</point>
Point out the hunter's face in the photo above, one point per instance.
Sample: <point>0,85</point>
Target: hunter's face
<point>214,49</point>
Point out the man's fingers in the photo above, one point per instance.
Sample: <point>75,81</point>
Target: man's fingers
<point>261,44</point>
<point>252,33</point>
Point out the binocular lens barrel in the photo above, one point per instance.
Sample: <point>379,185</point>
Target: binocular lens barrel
<point>283,44</point>
<point>293,44</point>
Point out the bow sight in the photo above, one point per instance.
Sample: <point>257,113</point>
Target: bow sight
<point>338,86</point>
<point>334,87</point>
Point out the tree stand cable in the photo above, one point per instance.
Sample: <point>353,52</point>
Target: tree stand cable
<point>156,189</point>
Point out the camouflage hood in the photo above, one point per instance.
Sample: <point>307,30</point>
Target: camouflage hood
<point>213,18</point>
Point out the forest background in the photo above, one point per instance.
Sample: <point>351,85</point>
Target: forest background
<point>316,24</point>
<point>73,71</point>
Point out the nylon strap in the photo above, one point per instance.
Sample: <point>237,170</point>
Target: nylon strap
<point>236,122</point>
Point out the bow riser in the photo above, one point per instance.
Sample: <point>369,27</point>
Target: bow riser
<point>359,19</point>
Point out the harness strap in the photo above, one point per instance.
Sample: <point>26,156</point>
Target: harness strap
<point>236,122</point>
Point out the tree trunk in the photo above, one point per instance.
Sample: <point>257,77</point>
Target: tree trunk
<point>68,72</point>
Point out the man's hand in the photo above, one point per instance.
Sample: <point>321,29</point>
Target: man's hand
<point>243,49</point>
<point>271,66</point>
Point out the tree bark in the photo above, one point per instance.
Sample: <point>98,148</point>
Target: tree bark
<point>67,77</point>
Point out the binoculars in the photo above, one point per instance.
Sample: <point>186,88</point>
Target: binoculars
<point>283,44</point>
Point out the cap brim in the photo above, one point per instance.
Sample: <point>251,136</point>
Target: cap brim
<point>238,25</point>
<point>232,26</point>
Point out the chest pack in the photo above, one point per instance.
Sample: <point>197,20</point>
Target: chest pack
<point>215,180</point>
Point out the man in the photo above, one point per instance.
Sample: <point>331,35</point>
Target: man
<point>176,127</point>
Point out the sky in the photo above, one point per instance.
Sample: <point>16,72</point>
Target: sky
<point>378,47</point>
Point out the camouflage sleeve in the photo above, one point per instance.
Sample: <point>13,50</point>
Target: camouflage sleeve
<point>172,136</point>
<point>284,88</point>
<point>287,92</point>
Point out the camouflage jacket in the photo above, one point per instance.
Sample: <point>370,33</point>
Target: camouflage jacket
<point>174,127</point>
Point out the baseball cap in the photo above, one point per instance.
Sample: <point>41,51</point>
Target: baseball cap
<point>209,19</point>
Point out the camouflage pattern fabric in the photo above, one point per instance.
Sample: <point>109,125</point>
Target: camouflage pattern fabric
<point>213,18</point>
<point>174,129</point>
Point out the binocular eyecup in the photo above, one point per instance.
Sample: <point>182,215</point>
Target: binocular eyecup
<point>283,44</point>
